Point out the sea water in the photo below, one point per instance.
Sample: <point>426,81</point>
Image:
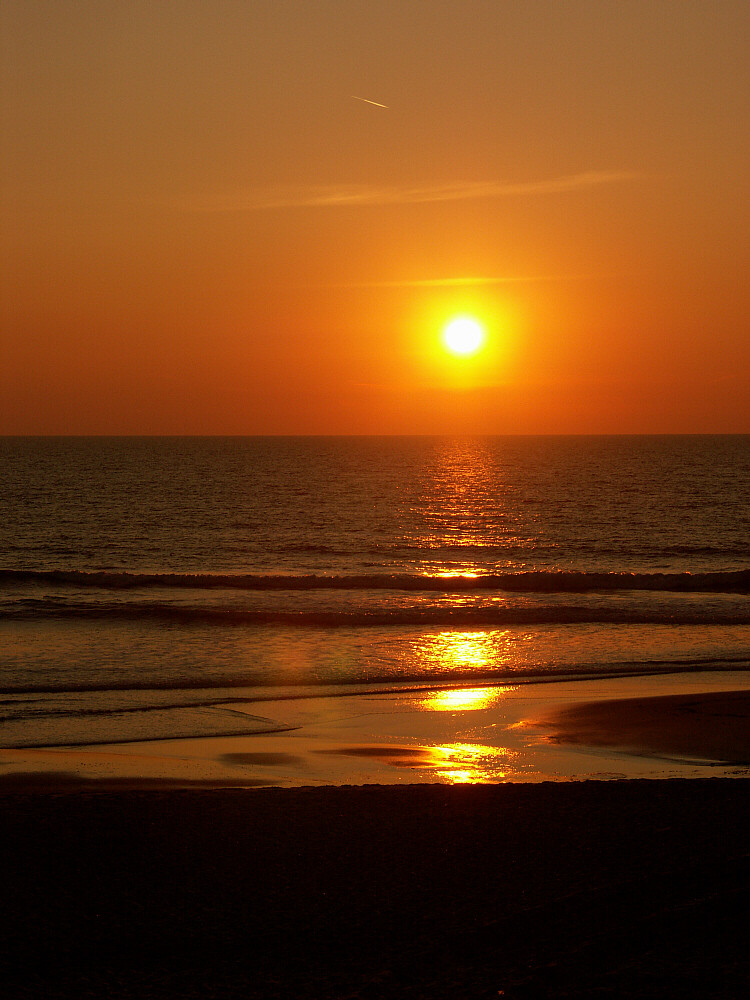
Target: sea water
<point>165,587</point>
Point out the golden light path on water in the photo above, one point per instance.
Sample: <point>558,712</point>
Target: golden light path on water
<point>457,511</point>
<point>460,762</point>
<point>464,652</point>
<point>453,732</point>
<point>468,763</point>
<point>466,527</point>
<point>464,762</point>
<point>463,699</point>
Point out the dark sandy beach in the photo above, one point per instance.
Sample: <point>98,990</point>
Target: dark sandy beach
<point>583,889</point>
<point>632,888</point>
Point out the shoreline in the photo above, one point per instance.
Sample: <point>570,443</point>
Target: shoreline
<point>658,727</point>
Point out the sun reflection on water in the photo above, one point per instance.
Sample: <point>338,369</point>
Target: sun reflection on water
<point>463,762</point>
<point>451,574</point>
<point>442,748</point>
<point>463,699</point>
<point>468,763</point>
<point>457,650</point>
<point>467,528</point>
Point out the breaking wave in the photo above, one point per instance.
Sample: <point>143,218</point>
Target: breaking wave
<point>523,582</point>
<point>435,616</point>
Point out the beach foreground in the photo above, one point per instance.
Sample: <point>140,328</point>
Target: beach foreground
<point>670,726</point>
<point>583,889</point>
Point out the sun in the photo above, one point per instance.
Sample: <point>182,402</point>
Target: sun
<point>463,335</point>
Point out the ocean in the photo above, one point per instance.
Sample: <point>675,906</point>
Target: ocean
<point>166,587</point>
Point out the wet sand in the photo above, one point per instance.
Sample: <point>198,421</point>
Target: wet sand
<point>526,733</point>
<point>712,726</point>
<point>580,889</point>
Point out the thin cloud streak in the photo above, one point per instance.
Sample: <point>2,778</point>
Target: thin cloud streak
<point>338,196</point>
<point>463,282</point>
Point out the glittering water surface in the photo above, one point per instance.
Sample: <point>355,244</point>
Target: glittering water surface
<point>364,505</point>
<point>145,576</point>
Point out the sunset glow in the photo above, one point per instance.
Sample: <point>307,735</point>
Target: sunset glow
<point>279,219</point>
<point>374,419</point>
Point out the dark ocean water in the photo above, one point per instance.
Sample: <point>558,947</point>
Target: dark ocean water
<point>144,582</point>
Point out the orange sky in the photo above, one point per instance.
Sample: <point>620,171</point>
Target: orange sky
<point>204,232</point>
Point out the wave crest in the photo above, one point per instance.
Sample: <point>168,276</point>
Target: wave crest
<point>537,581</point>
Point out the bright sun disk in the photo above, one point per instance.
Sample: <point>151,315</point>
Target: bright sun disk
<point>463,335</point>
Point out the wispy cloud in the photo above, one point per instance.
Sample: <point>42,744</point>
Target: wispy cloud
<point>338,196</point>
<point>465,282</point>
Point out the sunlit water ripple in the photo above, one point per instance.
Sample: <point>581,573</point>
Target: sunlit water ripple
<point>143,577</point>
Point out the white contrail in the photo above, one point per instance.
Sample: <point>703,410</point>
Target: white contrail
<point>376,103</point>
